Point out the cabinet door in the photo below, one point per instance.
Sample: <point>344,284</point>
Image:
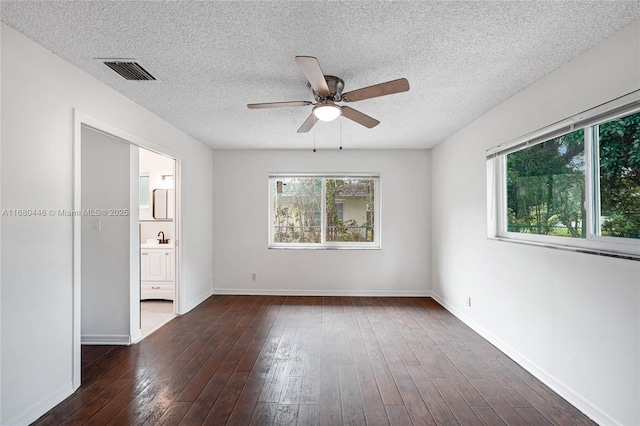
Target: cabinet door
<point>144,265</point>
<point>170,261</point>
<point>157,269</point>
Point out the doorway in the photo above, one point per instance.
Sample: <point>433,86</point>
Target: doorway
<point>157,240</point>
<point>118,291</point>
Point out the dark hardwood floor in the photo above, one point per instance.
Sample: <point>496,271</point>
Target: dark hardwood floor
<point>265,360</point>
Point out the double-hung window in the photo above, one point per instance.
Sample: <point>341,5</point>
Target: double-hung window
<point>324,211</point>
<point>573,185</point>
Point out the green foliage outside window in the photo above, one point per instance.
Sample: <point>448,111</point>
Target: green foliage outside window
<point>359,228</point>
<point>298,203</point>
<point>545,187</point>
<point>546,183</point>
<point>620,177</point>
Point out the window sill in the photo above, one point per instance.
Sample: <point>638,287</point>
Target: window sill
<point>591,250</point>
<point>303,247</point>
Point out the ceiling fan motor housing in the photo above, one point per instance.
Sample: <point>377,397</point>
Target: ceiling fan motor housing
<point>335,89</point>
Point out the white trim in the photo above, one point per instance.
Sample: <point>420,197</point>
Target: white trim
<point>319,246</point>
<point>329,175</point>
<point>178,296</point>
<point>106,339</point>
<point>591,183</point>
<point>574,398</point>
<point>204,296</point>
<point>35,411</point>
<point>493,179</point>
<point>573,248</point>
<point>298,292</point>
<point>134,243</point>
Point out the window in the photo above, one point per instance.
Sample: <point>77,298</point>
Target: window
<point>545,187</point>
<point>324,211</point>
<point>575,184</point>
<point>617,143</point>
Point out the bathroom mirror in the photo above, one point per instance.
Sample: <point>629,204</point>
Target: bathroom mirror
<point>163,204</point>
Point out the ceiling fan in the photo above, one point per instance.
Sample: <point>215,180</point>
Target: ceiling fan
<point>327,90</point>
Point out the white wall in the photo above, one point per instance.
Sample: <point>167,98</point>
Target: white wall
<point>573,319</point>
<point>38,96</point>
<point>240,220</point>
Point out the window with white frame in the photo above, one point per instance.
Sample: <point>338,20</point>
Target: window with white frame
<point>324,211</point>
<point>575,184</point>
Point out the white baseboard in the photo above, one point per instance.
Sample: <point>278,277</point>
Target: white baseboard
<point>105,339</point>
<point>298,292</point>
<point>574,398</point>
<point>34,412</point>
<point>198,301</point>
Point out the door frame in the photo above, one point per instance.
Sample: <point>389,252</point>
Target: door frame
<point>80,119</point>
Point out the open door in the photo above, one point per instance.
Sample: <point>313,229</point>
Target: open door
<point>107,258</point>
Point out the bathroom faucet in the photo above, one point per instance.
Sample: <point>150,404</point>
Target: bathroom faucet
<point>162,240</point>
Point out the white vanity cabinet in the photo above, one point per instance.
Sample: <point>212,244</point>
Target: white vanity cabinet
<point>157,273</point>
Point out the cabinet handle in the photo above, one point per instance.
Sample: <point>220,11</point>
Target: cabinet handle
<point>145,254</point>
<point>155,287</point>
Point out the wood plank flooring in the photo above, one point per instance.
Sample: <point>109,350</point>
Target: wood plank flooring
<point>262,360</point>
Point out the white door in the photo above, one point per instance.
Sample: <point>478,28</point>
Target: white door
<point>105,239</point>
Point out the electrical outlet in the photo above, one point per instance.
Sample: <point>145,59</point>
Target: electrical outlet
<point>253,277</point>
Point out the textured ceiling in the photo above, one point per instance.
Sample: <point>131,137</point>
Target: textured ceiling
<point>461,58</point>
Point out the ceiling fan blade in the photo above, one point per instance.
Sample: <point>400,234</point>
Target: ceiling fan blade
<point>279,104</point>
<point>311,69</point>
<point>308,124</point>
<point>359,117</point>
<point>382,89</point>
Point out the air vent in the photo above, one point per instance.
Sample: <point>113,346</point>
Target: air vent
<point>129,70</point>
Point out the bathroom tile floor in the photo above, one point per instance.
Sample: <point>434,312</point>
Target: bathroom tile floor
<point>154,314</point>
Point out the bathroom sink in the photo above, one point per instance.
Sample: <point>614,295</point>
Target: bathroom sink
<point>153,243</point>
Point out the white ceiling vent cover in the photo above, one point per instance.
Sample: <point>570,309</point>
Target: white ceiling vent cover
<point>128,69</point>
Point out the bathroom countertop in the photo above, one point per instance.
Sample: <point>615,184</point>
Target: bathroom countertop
<point>154,244</point>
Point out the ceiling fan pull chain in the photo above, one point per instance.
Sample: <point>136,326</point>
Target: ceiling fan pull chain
<point>340,134</point>
<point>314,135</point>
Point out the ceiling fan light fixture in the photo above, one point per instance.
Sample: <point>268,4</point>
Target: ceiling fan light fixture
<point>327,111</point>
